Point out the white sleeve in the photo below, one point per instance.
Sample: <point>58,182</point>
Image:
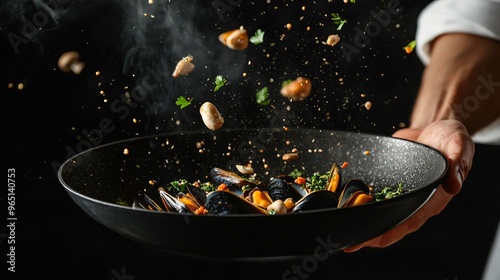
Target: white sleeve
<point>478,17</point>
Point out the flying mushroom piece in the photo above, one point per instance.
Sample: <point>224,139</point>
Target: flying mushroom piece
<point>332,40</point>
<point>70,62</point>
<point>298,89</point>
<point>235,39</point>
<point>211,116</point>
<point>183,67</point>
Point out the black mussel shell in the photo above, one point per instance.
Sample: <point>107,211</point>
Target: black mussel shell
<point>198,194</point>
<point>143,201</point>
<point>228,203</point>
<point>334,185</point>
<point>172,204</point>
<point>283,188</point>
<point>317,200</point>
<point>233,181</point>
<point>351,188</point>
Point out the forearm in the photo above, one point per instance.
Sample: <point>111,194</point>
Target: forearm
<point>461,81</point>
<point>459,40</point>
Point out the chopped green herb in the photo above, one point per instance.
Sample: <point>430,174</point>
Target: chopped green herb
<point>388,192</point>
<point>258,38</point>
<point>262,96</point>
<point>207,187</point>
<point>177,186</point>
<point>317,181</point>
<point>352,1</point>
<point>219,82</point>
<point>296,173</point>
<point>182,102</point>
<point>338,20</point>
<point>273,212</point>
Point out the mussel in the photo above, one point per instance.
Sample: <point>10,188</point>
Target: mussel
<point>145,202</point>
<point>355,192</point>
<point>259,198</point>
<point>284,187</point>
<point>233,181</point>
<point>172,204</point>
<point>317,200</point>
<point>250,196</point>
<point>228,203</point>
<point>333,182</point>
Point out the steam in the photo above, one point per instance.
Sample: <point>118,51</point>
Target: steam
<point>156,36</point>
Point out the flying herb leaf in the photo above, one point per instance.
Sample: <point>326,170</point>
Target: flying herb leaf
<point>219,82</point>
<point>182,102</point>
<point>258,38</point>
<point>262,96</point>
<point>338,20</point>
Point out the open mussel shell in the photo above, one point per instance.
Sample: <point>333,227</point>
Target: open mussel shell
<point>143,201</point>
<point>259,198</point>
<point>283,188</point>
<point>317,200</point>
<point>197,194</point>
<point>172,204</point>
<point>228,203</point>
<point>334,181</point>
<point>351,189</point>
<point>233,181</point>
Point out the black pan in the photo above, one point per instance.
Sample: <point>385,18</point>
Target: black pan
<point>96,179</point>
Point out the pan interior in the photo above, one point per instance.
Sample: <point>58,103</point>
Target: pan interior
<point>121,170</point>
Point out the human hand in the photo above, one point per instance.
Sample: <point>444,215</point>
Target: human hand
<point>450,138</point>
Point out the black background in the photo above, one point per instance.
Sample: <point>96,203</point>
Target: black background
<point>43,124</point>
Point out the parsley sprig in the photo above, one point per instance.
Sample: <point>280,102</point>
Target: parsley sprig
<point>262,96</point>
<point>219,82</point>
<point>317,181</point>
<point>182,102</point>
<point>388,192</point>
<point>258,38</point>
<point>338,20</point>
